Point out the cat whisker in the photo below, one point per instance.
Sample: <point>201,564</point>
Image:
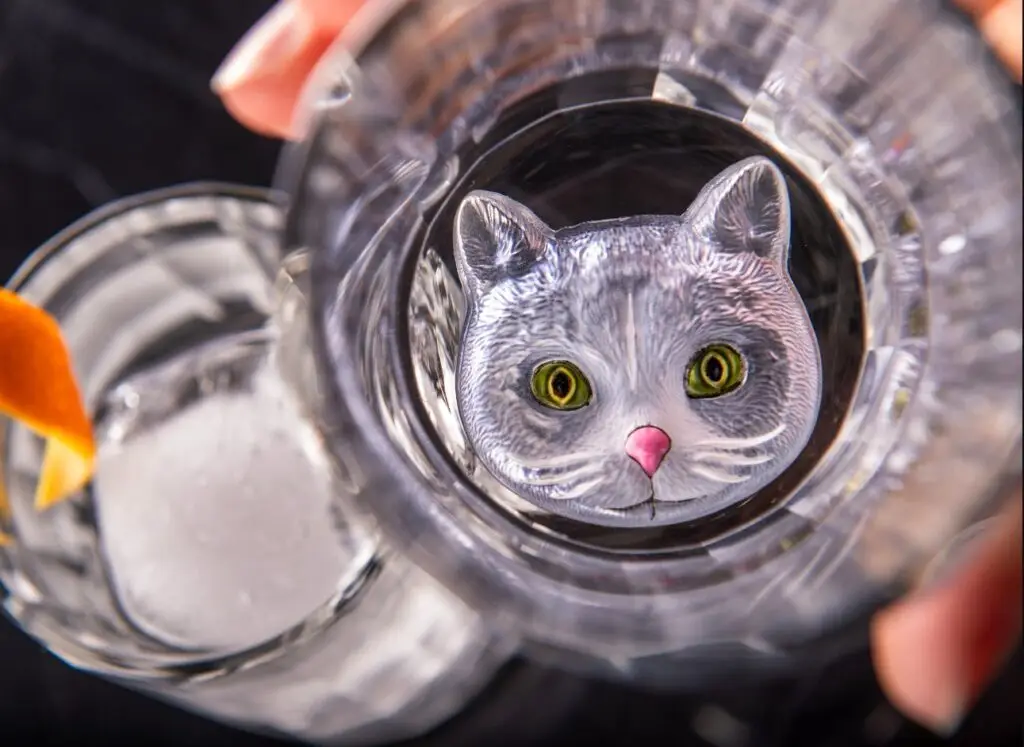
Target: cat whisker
<point>581,489</point>
<point>741,443</point>
<point>724,459</point>
<point>564,460</point>
<point>555,478</point>
<point>707,473</point>
<point>559,469</point>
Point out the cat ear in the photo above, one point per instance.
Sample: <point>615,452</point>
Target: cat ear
<point>745,209</point>
<point>495,238</point>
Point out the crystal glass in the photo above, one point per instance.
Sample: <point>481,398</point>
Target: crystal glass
<point>217,560</point>
<point>900,140</point>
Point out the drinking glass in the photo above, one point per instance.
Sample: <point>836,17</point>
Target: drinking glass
<point>900,140</point>
<point>217,561</point>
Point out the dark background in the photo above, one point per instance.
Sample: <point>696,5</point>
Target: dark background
<point>105,98</point>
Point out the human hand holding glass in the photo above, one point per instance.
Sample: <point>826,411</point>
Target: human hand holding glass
<point>933,651</point>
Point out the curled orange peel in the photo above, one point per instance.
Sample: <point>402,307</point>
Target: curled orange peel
<point>38,389</point>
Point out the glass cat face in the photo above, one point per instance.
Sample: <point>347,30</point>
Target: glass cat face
<point>642,371</point>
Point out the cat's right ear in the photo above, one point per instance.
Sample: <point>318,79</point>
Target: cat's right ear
<point>745,209</point>
<point>495,238</point>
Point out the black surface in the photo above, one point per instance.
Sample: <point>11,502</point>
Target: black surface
<point>104,98</point>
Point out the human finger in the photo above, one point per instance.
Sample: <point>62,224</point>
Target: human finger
<point>999,21</point>
<point>262,78</point>
<point>935,652</point>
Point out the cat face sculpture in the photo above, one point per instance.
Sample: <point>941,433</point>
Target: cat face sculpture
<point>642,371</point>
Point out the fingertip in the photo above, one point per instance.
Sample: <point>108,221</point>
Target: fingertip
<point>265,108</point>
<point>261,80</point>
<point>916,671</point>
<point>273,39</point>
<point>934,653</point>
<point>266,104</point>
<point>1001,25</point>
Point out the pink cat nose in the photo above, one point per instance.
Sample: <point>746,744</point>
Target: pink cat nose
<point>647,446</point>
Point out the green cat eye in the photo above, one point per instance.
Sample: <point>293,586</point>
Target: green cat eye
<point>714,371</point>
<point>560,385</point>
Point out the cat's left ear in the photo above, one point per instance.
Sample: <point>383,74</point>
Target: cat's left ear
<point>495,238</point>
<point>745,209</point>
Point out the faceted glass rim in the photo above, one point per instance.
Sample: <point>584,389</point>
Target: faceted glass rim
<point>64,240</point>
<point>338,70</point>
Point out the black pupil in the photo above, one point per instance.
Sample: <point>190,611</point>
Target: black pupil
<point>714,370</point>
<point>561,385</point>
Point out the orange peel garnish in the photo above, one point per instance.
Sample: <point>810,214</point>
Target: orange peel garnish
<point>38,388</point>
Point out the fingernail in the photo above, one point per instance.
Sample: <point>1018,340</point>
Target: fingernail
<point>269,44</point>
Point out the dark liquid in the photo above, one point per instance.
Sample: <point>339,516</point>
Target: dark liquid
<point>643,157</point>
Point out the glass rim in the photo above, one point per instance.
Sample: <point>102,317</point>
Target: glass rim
<point>53,248</point>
